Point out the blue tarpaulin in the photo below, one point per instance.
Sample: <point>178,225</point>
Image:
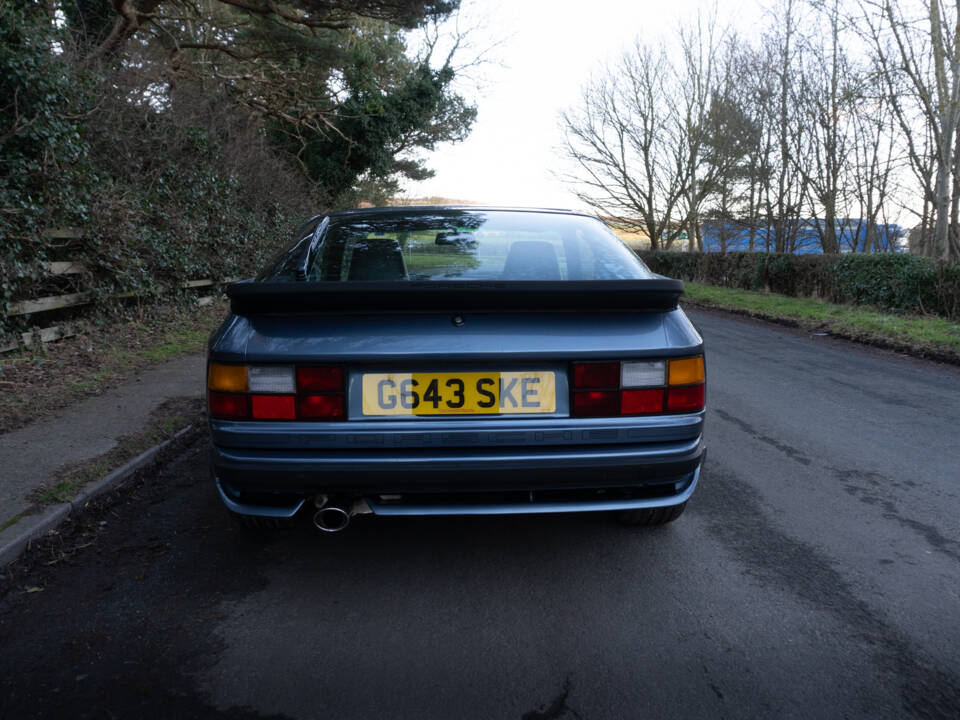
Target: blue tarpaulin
<point>851,234</point>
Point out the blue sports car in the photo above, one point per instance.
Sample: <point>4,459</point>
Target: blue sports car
<point>455,360</point>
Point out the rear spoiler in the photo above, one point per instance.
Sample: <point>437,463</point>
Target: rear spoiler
<point>254,298</point>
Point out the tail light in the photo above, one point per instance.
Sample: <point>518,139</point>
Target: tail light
<point>596,403</point>
<point>596,375</point>
<point>327,378</point>
<point>685,399</point>
<point>276,392</point>
<point>228,406</point>
<point>320,407</point>
<point>637,387</point>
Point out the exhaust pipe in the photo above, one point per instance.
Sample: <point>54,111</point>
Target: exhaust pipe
<point>334,516</point>
<point>331,518</point>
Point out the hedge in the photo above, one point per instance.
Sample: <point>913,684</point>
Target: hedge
<point>901,283</point>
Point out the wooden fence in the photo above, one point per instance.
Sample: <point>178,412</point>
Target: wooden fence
<point>59,302</point>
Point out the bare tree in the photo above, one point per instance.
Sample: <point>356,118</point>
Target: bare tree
<point>825,98</point>
<point>919,58</point>
<point>627,146</point>
<point>697,80</point>
<point>799,132</point>
<point>732,139</point>
<point>875,160</point>
<point>757,91</point>
<point>785,196</point>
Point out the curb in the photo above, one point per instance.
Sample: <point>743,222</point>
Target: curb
<point>37,525</point>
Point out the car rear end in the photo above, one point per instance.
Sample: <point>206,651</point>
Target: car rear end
<point>460,396</point>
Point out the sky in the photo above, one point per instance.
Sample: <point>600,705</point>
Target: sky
<point>547,51</point>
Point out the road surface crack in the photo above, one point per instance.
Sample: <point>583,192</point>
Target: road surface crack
<point>933,537</point>
<point>774,557</point>
<point>790,452</point>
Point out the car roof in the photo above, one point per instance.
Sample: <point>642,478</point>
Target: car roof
<point>427,209</point>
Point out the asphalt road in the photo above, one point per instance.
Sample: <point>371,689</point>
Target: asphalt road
<point>816,573</point>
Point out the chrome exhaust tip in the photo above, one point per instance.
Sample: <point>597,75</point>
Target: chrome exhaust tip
<point>331,519</point>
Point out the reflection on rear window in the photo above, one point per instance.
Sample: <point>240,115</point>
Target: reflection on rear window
<point>462,245</point>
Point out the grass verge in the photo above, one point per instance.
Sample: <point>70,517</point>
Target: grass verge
<point>923,336</point>
<point>165,422</point>
<point>34,384</point>
<point>12,521</point>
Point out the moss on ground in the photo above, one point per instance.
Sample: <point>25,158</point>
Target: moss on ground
<point>165,422</point>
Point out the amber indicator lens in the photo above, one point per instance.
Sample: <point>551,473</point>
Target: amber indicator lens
<point>686,371</point>
<point>228,378</point>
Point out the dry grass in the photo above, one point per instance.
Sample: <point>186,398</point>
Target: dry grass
<point>37,383</point>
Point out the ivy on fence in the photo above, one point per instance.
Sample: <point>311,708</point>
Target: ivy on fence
<point>157,197</point>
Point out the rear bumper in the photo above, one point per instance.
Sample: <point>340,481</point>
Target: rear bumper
<point>454,470</point>
<point>462,481</point>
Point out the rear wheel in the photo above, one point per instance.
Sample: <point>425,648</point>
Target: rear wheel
<point>649,517</point>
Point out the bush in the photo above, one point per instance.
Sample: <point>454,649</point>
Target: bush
<point>42,152</point>
<point>164,193</point>
<point>902,283</point>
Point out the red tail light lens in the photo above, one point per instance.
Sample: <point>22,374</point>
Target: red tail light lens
<point>273,407</point>
<point>596,403</point>
<point>596,375</point>
<point>276,392</point>
<point>685,399</point>
<point>641,402</point>
<point>320,379</point>
<point>637,387</point>
<point>320,407</point>
<point>228,406</point>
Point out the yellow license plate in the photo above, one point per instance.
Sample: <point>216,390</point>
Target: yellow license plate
<point>459,393</point>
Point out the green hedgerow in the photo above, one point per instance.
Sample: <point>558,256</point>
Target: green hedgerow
<point>897,282</point>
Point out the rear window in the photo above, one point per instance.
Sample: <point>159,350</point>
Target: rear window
<point>460,245</point>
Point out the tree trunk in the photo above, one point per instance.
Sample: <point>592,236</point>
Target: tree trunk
<point>941,226</point>
<point>955,198</point>
<point>828,241</point>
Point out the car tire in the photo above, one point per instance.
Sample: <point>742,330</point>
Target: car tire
<point>650,517</point>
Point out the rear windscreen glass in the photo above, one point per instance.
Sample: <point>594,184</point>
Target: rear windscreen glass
<point>462,245</point>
